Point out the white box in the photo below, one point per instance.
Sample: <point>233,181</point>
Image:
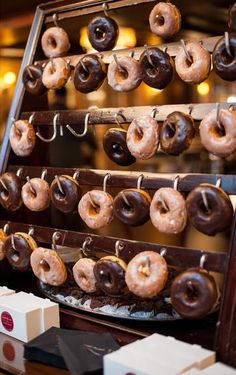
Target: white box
<point>4,291</point>
<point>12,353</point>
<point>219,369</point>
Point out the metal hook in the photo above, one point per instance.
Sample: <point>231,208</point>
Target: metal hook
<point>107,177</point>
<point>44,174</point>
<point>52,64</point>
<point>218,182</point>
<point>6,228</point>
<point>3,184</point>
<point>165,49</point>
<point>83,66</point>
<point>139,181</point>
<point>204,198</point>
<point>154,112</point>
<point>131,54</point>
<point>125,199</point>
<point>105,9</point>
<point>86,123</point>
<point>59,185</point>
<point>116,116</point>
<point>227,45</point>
<point>55,19</point>
<point>149,59</point>
<point>92,201</point>
<point>31,118</point>
<point>163,203</point>
<point>76,175</point>
<point>55,237</point>
<point>19,172</point>
<point>190,109</point>
<point>176,182</point>
<point>189,58</point>
<point>31,186</point>
<point>203,260</point>
<point>86,242</point>
<point>54,130</point>
<point>118,63</point>
<point>217,116</point>
<point>119,245</point>
<point>163,252</point>
<point>13,242</point>
<point>29,72</point>
<point>31,231</point>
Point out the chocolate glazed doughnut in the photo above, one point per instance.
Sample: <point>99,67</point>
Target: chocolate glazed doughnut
<point>177,133</point>
<point>66,200</point>
<point>110,275</point>
<point>115,146</point>
<point>135,209</point>
<point>10,198</point>
<point>223,64</point>
<point>160,72</point>
<point>194,294</point>
<point>89,73</point>
<point>18,255</point>
<point>32,80</point>
<point>103,33</point>
<point>215,218</point>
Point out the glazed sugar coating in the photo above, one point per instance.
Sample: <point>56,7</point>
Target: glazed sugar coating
<point>55,42</point>
<point>22,138</point>
<point>84,275</point>
<point>125,77</point>
<point>165,20</point>
<point>38,200</point>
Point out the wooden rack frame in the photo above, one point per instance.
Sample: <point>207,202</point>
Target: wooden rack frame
<point>225,342</point>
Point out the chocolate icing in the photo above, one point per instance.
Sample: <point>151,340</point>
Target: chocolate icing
<point>220,214</point>
<point>176,142</point>
<point>32,80</point>
<point>223,64</point>
<point>103,33</point>
<point>68,201</point>
<point>92,79</point>
<point>110,276</point>
<point>159,75</point>
<point>11,199</point>
<point>193,294</point>
<point>19,258</point>
<point>114,144</point>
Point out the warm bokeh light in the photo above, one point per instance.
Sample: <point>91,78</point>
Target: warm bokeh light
<point>203,88</point>
<point>231,99</point>
<point>9,78</point>
<point>150,91</point>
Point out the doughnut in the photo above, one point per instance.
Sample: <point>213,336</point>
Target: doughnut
<point>114,144</point>
<point>35,194</point>
<point>137,211</point>
<point>177,133</point>
<point>48,266</point>
<point>223,64</point>
<point>22,137</point>
<point>3,237</point>
<point>55,42</point>
<point>143,137</point>
<point>218,217</point>
<point>165,20</point>
<point>56,74</point>
<point>66,201</point>
<point>19,256</point>
<point>10,199</point>
<point>168,211</point>
<point>232,17</point>
<point>197,70</point>
<point>109,272</point>
<point>100,215</point>
<point>32,80</point>
<point>146,274</point>
<point>219,138</point>
<point>84,275</point>
<point>89,73</point>
<point>103,33</point>
<point>194,293</point>
<point>126,76</point>
<point>160,72</point>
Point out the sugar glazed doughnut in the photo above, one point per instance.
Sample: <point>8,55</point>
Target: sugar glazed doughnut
<point>216,216</point>
<point>19,249</point>
<point>66,200</point>
<point>89,73</point>
<point>124,76</point>
<point>219,137</point>
<point>32,80</point>
<point>146,274</point>
<point>83,272</point>
<point>194,294</point>
<point>35,194</point>
<point>223,64</point>
<point>48,266</point>
<point>56,73</point>
<point>131,207</point>
<point>143,137</point>
<point>22,138</point>
<point>165,20</point>
<point>109,272</point>
<point>114,144</point>
<point>196,70</point>
<point>177,133</point>
<point>167,211</point>
<point>96,209</point>
<point>103,33</point>
<point>157,68</point>
<point>10,198</point>
<point>3,237</point>
<point>55,42</point>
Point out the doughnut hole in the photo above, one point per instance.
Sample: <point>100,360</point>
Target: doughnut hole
<point>121,74</point>
<point>117,148</point>
<point>226,58</point>
<point>51,42</point>
<point>106,279</point>
<point>160,20</point>
<point>15,255</point>
<point>44,265</point>
<point>94,210</point>
<point>161,208</point>
<point>169,131</point>
<point>4,193</point>
<point>138,134</point>
<point>218,131</point>
<point>207,211</point>
<point>100,33</point>
<point>191,292</point>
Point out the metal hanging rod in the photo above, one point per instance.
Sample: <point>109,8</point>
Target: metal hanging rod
<point>127,179</point>
<point>108,115</point>
<point>174,255</point>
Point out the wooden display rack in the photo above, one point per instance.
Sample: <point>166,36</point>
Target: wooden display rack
<point>225,331</point>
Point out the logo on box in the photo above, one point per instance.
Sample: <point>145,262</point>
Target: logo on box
<point>7,321</point>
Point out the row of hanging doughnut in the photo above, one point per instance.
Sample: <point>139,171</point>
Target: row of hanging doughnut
<point>145,135</point>
<point>155,67</point>
<point>145,275</point>
<point>168,210</point>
